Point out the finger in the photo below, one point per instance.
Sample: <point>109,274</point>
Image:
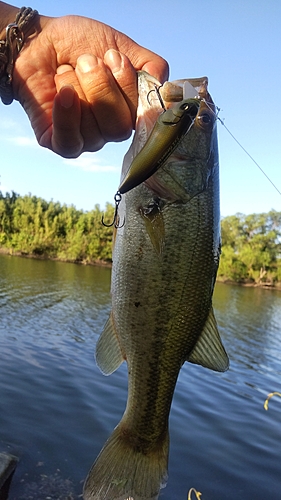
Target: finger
<point>144,59</point>
<point>89,129</point>
<point>126,78</point>
<point>158,68</point>
<point>66,137</point>
<point>107,102</point>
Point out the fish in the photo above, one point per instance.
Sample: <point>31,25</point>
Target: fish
<point>165,260</point>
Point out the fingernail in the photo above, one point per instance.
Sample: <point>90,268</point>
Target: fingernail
<point>113,60</point>
<point>64,68</point>
<point>86,63</point>
<point>67,96</point>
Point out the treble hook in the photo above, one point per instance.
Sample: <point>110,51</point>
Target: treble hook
<point>115,222</point>
<point>156,89</point>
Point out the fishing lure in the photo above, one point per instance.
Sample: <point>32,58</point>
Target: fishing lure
<point>167,132</point>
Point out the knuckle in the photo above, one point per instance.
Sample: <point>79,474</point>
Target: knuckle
<point>118,132</point>
<point>68,149</point>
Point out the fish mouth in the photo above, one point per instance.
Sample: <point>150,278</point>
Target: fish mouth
<point>185,88</point>
<point>188,88</point>
<point>185,103</point>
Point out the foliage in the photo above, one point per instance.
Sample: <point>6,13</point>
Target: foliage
<point>251,244</point>
<point>251,248</point>
<point>33,226</point>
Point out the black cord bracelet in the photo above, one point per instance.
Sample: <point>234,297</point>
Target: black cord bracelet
<point>10,48</point>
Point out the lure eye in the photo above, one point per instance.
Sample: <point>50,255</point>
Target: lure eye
<point>184,106</point>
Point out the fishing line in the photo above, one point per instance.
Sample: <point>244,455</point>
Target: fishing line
<point>242,147</point>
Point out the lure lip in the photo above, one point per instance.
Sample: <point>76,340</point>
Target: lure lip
<point>183,116</point>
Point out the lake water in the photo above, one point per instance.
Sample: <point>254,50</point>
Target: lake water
<point>57,409</point>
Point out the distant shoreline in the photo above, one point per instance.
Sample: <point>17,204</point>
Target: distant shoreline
<point>7,251</point>
<point>267,286</point>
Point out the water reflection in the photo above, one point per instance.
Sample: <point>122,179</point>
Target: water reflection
<point>57,409</point>
<point>62,300</point>
<point>252,317</point>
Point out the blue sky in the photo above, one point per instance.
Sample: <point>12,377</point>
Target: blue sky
<point>236,44</point>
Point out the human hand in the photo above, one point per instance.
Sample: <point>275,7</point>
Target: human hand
<point>76,80</point>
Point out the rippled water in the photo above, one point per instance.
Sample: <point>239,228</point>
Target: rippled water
<point>57,409</point>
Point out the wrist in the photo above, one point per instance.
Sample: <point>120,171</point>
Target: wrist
<point>7,15</point>
<point>24,24</point>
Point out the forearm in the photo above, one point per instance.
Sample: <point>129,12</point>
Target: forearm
<point>7,15</point>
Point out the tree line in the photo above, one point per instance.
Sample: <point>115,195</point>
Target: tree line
<point>32,226</point>
<point>251,248</point>
<point>29,225</point>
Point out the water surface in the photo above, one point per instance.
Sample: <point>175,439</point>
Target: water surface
<point>57,409</point>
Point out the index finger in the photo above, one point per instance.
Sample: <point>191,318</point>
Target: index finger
<point>144,59</point>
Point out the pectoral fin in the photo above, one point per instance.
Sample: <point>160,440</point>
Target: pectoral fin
<point>108,350</point>
<point>209,351</point>
<point>155,228</point>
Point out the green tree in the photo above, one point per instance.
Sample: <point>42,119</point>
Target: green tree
<point>251,247</point>
<point>251,244</point>
<point>31,225</point>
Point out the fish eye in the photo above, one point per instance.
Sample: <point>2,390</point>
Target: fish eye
<point>205,118</point>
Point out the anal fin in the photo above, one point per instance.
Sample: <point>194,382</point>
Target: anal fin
<point>209,351</point>
<point>108,350</point>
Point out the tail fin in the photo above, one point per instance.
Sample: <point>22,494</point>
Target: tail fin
<point>122,473</point>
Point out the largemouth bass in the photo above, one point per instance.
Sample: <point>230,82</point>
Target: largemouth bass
<point>165,261</point>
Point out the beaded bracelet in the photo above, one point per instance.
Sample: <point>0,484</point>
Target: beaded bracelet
<point>10,48</point>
